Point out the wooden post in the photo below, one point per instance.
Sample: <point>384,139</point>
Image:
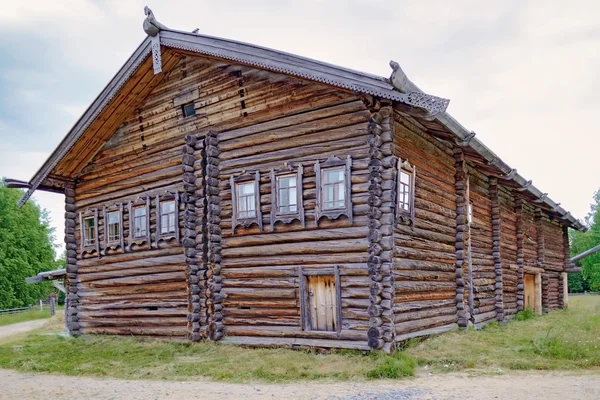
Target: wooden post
<point>71,281</point>
<point>214,296</point>
<point>382,332</point>
<point>462,236</point>
<point>496,245</point>
<point>52,303</point>
<point>519,238</point>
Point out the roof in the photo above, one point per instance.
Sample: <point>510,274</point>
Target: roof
<point>397,88</point>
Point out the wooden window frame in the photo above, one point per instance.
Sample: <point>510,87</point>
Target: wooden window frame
<point>113,244</point>
<point>184,107</point>
<point>334,213</point>
<point>405,217</point>
<point>142,202</point>
<point>94,247</point>
<point>234,181</point>
<point>166,236</point>
<point>287,218</point>
<point>304,308</point>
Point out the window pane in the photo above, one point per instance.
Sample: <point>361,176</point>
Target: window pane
<point>167,207</point>
<point>404,177</point>
<point>246,202</point>
<point>334,175</point>
<point>139,212</point>
<point>113,218</point>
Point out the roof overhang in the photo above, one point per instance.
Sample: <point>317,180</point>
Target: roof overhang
<point>467,138</point>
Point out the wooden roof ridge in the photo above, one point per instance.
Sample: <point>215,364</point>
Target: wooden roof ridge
<point>467,138</point>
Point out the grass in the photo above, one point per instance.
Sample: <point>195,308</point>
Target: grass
<point>131,358</point>
<point>9,319</point>
<point>563,340</point>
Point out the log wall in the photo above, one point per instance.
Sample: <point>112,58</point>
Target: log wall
<point>484,273</point>
<point>508,251</point>
<point>424,255</point>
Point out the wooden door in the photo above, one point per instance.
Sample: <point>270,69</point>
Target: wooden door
<point>322,302</point>
<point>529,291</point>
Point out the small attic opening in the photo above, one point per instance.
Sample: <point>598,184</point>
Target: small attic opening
<point>188,110</point>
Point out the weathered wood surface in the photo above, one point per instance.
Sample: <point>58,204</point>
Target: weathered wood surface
<point>509,250</point>
<point>264,122</point>
<point>424,256</point>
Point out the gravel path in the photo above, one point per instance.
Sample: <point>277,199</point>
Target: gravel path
<point>15,329</point>
<point>525,386</point>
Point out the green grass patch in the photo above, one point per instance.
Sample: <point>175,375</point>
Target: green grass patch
<point>132,358</point>
<point>9,319</point>
<point>562,340</point>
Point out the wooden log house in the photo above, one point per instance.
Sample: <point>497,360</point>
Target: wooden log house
<point>217,190</point>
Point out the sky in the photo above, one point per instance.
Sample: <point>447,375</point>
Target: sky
<point>521,74</point>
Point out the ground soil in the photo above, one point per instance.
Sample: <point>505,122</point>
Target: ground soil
<point>21,327</point>
<point>547,386</point>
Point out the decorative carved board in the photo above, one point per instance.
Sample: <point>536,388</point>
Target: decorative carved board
<point>322,302</point>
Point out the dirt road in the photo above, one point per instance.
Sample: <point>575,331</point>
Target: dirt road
<point>15,329</point>
<point>525,386</point>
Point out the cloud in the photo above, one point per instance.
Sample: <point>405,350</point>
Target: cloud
<point>522,74</point>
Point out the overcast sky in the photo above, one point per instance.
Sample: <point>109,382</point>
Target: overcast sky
<point>522,74</point>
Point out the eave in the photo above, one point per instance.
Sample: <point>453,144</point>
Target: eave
<point>466,139</point>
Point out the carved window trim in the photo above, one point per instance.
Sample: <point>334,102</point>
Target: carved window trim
<point>304,298</point>
<point>334,213</point>
<point>403,216</point>
<point>142,202</point>
<point>95,246</point>
<point>289,217</point>
<point>113,244</point>
<point>245,222</point>
<point>166,236</point>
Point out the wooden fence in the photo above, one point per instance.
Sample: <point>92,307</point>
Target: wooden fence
<point>16,310</point>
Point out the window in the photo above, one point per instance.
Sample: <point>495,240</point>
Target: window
<point>167,217</point>
<point>287,192</point>
<point>139,222</point>
<point>405,193</point>
<point>114,226</point>
<point>89,231</point>
<point>188,110</point>
<point>286,195</point>
<point>334,190</point>
<point>88,223</point>
<point>113,229</point>
<point>321,299</point>
<point>246,200</point>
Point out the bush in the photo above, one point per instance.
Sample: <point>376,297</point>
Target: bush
<point>525,315</point>
<point>393,366</point>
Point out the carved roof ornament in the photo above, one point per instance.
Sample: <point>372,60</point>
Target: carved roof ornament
<point>465,142</point>
<point>511,174</point>
<point>542,198</point>
<point>152,28</point>
<point>432,104</point>
<point>526,186</point>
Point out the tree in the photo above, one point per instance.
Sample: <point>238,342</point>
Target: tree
<point>26,248</point>
<point>582,241</point>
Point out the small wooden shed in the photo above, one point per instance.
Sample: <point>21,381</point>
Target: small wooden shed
<point>218,190</point>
